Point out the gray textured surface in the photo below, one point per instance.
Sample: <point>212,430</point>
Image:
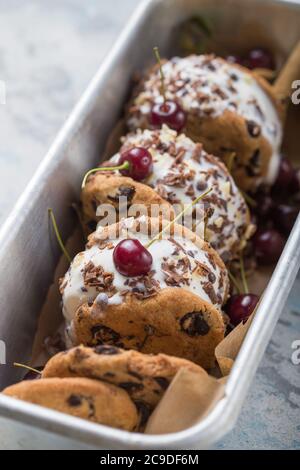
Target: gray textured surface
<point>270,417</point>
<point>48,53</point>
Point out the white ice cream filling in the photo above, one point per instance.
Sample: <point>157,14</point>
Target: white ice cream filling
<point>76,292</point>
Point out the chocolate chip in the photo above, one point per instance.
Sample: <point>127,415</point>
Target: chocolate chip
<point>253,169</point>
<point>193,324</point>
<point>162,382</point>
<point>124,191</point>
<point>251,172</point>
<point>131,386</point>
<point>74,400</point>
<point>109,374</point>
<point>106,349</point>
<point>255,159</point>
<point>127,191</point>
<point>103,334</point>
<point>135,375</point>
<point>144,411</point>
<point>201,185</point>
<point>253,128</point>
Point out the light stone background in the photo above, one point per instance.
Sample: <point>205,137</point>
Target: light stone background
<point>49,50</point>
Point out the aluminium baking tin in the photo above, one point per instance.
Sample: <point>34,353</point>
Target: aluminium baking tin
<point>28,255</point>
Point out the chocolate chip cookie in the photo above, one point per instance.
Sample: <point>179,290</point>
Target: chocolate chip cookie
<point>174,322</point>
<point>93,400</point>
<point>145,377</point>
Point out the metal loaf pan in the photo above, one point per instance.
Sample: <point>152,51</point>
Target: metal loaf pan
<point>28,256</point>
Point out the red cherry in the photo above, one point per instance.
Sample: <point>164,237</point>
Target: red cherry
<point>131,258</point>
<point>140,160</point>
<point>240,306</point>
<point>169,113</point>
<point>295,183</point>
<point>287,181</point>
<point>284,217</point>
<point>268,245</point>
<point>264,206</point>
<point>259,58</point>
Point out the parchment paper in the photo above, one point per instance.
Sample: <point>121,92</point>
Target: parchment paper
<point>188,399</point>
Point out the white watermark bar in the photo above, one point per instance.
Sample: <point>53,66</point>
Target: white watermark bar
<point>2,92</point>
<point>2,353</point>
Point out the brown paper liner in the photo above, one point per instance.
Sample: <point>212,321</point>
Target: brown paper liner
<point>188,399</point>
<point>227,351</point>
<point>289,73</point>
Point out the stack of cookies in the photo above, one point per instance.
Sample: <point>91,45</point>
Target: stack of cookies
<point>105,384</point>
<point>145,297</point>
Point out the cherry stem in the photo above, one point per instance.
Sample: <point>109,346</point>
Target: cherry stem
<point>162,77</point>
<point>178,217</point>
<point>17,364</point>
<point>59,239</point>
<point>243,275</point>
<point>234,282</point>
<point>124,166</point>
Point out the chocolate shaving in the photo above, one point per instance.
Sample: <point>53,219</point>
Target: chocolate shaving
<point>95,276</point>
<point>210,291</point>
<point>145,286</point>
